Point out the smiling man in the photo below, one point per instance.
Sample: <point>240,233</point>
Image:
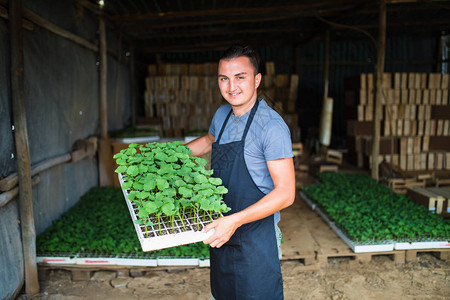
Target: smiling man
<point>252,154</point>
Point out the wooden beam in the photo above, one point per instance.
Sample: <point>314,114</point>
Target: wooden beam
<point>6,197</point>
<point>11,181</point>
<point>25,23</point>
<point>145,27</point>
<point>36,19</point>
<point>229,11</point>
<point>324,125</point>
<point>135,28</point>
<point>196,47</point>
<point>197,33</point>
<point>22,149</point>
<point>326,65</point>
<point>381,54</point>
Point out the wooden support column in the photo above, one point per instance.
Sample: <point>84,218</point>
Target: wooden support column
<point>105,160</point>
<point>381,52</point>
<point>326,66</point>
<point>22,149</point>
<point>324,125</point>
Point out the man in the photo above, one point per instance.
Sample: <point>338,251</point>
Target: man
<point>252,154</point>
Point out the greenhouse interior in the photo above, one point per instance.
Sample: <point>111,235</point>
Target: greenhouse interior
<point>224,149</point>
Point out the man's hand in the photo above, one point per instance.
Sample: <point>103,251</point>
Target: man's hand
<point>224,228</point>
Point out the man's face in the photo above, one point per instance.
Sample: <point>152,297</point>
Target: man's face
<point>237,81</point>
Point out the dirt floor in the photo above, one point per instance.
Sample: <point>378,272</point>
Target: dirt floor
<point>341,278</point>
<point>316,264</point>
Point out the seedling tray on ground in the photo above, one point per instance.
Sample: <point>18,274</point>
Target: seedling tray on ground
<point>118,260</point>
<point>422,245</point>
<point>162,235</point>
<point>357,247</point>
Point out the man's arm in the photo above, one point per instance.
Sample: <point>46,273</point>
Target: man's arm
<point>283,195</point>
<point>201,145</point>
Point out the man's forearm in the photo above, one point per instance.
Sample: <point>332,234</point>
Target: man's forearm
<point>276,200</point>
<point>201,145</point>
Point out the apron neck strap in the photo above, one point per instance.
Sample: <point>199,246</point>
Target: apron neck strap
<point>250,119</point>
<point>247,126</point>
<point>223,126</point>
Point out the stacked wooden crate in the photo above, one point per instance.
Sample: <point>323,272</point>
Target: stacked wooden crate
<point>280,91</point>
<point>415,125</point>
<point>183,96</point>
<point>186,96</point>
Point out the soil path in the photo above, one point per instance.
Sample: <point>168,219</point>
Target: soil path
<point>342,278</point>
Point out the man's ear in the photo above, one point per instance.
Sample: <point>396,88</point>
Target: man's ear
<point>258,78</point>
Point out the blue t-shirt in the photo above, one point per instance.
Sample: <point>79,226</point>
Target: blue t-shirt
<point>268,138</point>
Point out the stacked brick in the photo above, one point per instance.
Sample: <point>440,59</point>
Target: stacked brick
<point>415,125</point>
<point>183,96</point>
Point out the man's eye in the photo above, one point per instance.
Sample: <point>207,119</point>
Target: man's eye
<point>223,79</point>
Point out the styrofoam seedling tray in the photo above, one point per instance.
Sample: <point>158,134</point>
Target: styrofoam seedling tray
<point>308,201</point>
<point>117,261</point>
<point>204,263</point>
<point>166,262</point>
<point>145,139</point>
<point>422,245</point>
<point>57,260</point>
<point>165,236</point>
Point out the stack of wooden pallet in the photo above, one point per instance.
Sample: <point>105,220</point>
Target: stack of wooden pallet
<point>436,199</point>
<point>186,96</point>
<point>415,123</point>
<point>183,96</point>
<point>280,91</point>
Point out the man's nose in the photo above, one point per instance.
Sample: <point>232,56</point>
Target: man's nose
<point>232,86</point>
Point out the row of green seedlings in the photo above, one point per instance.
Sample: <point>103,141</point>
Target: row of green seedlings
<point>164,179</point>
<point>370,212</point>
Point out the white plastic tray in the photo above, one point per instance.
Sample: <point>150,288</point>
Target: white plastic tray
<point>155,238</point>
<point>119,261</point>
<point>146,139</point>
<point>56,260</point>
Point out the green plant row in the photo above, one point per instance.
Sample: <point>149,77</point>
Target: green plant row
<point>163,179</point>
<point>368,211</point>
<point>99,224</point>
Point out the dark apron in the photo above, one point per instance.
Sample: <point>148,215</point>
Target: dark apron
<point>247,266</point>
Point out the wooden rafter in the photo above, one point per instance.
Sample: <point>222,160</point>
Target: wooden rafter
<point>241,11</point>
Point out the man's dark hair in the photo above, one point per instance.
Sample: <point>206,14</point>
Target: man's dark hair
<point>239,50</point>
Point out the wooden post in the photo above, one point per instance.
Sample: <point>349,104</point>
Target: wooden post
<point>381,52</point>
<point>22,149</point>
<point>326,81</point>
<point>326,65</point>
<point>103,80</point>
<point>105,161</point>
